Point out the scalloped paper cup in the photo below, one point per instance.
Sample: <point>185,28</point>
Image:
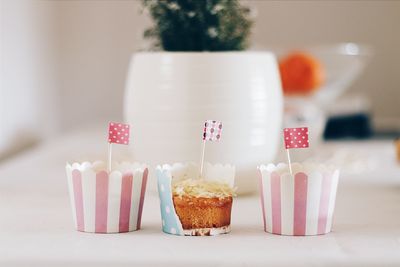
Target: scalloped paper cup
<point>298,205</point>
<point>166,173</point>
<point>105,202</point>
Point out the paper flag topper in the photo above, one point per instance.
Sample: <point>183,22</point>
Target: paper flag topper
<point>296,137</point>
<point>212,130</point>
<point>118,133</point>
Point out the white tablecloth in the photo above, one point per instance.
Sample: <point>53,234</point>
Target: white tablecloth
<point>36,226</point>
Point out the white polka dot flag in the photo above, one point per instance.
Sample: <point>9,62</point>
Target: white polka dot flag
<point>212,130</point>
<point>296,137</point>
<point>118,133</point>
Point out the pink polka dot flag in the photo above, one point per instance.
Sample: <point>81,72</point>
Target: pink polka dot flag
<point>212,130</point>
<point>118,133</point>
<point>296,137</point>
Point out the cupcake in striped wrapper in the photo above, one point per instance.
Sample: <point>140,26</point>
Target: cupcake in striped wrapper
<point>302,204</point>
<point>105,202</point>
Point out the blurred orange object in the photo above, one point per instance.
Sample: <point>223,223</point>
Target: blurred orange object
<point>301,73</point>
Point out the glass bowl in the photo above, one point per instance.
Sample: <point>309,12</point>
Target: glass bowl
<point>343,64</point>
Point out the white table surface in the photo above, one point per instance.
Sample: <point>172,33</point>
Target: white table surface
<point>36,226</point>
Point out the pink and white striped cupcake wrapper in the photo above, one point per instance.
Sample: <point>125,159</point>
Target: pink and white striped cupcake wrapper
<point>302,204</point>
<point>105,202</point>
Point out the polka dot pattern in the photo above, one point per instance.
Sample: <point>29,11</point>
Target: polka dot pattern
<point>170,220</point>
<point>212,130</point>
<point>118,133</point>
<point>296,137</point>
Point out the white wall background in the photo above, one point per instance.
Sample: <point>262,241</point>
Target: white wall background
<point>96,41</point>
<point>63,63</point>
<point>28,73</point>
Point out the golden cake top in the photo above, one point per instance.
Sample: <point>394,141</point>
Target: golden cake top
<point>202,188</point>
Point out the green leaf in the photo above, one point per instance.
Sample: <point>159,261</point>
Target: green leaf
<point>198,25</point>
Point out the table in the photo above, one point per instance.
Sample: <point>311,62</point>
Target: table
<point>36,226</point>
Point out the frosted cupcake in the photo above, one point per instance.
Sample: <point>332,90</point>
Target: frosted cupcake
<point>193,206</point>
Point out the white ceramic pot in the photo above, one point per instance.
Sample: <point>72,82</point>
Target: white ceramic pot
<point>169,95</point>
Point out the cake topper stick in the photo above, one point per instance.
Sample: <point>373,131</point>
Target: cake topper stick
<point>202,158</point>
<point>295,138</point>
<point>212,132</point>
<point>118,133</point>
<point>109,157</point>
<point>289,161</point>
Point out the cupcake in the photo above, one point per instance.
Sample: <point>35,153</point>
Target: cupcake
<point>300,204</point>
<point>104,202</point>
<point>194,206</point>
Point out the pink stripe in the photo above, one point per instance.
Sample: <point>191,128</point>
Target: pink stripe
<point>262,199</point>
<point>101,202</point>
<point>125,207</point>
<point>142,193</point>
<point>300,204</point>
<point>324,203</point>
<point>276,203</point>
<point>78,196</point>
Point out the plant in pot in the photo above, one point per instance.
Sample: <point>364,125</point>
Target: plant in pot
<point>200,72</point>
